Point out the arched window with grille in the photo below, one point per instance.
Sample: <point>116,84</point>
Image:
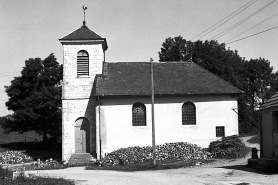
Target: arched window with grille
<point>82,63</point>
<point>188,114</point>
<point>138,114</point>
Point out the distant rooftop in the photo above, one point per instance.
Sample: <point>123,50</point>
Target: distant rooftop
<point>271,103</point>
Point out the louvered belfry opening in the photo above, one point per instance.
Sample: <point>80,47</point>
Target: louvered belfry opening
<point>82,63</point>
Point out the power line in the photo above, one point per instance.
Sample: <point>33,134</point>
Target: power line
<point>15,72</point>
<point>252,27</point>
<point>222,19</point>
<point>247,5</point>
<point>7,74</point>
<point>252,35</point>
<point>242,21</point>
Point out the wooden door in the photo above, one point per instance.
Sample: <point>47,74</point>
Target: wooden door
<point>82,136</point>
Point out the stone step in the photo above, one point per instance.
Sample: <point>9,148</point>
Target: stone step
<point>81,154</point>
<point>78,159</point>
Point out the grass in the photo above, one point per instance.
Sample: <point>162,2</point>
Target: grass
<point>41,167</point>
<point>29,143</point>
<point>6,179</point>
<point>36,150</point>
<point>143,166</point>
<point>15,137</point>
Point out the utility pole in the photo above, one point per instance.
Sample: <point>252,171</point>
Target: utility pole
<point>153,123</point>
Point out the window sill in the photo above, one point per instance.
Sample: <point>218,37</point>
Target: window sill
<point>83,77</point>
<point>186,126</point>
<point>140,127</point>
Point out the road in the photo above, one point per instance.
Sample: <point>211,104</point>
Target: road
<point>219,173</point>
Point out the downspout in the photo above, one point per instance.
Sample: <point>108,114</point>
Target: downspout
<point>98,101</point>
<point>272,133</point>
<point>98,129</point>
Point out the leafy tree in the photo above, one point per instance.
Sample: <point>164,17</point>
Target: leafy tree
<point>209,54</point>
<point>174,49</point>
<point>254,77</point>
<point>35,98</point>
<point>258,80</point>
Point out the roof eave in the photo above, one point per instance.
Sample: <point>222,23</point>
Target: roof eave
<point>173,94</point>
<point>69,41</point>
<point>268,108</point>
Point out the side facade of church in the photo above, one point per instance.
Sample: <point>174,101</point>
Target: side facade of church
<point>107,106</point>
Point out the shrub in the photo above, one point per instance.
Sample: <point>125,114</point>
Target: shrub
<point>169,151</point>
<point>14,157</point>
<point>228,147</point>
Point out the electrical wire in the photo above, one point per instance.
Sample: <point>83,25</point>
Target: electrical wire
<point>222,19</point>
<point>226,20</point>
<point>252,27</point>
<point>242,21</point>
<point>252,35</point>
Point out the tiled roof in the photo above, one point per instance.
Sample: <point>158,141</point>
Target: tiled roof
<point>83,33</point>
<point>170,78</point>
<point>271,103</point>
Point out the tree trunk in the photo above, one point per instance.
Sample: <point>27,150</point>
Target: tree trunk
<point>44,139</point>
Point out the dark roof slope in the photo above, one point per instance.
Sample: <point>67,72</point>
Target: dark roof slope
<point>271,103</point>
<point>83,33</point>
<point>170,78</point>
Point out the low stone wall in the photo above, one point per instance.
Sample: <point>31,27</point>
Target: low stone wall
<point>264,165</point>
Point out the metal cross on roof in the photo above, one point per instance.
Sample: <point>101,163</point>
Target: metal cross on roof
<point>84,8</point>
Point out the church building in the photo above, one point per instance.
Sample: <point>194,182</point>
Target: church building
<point>107,105</point>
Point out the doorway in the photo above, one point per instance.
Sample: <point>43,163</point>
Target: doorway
<point>82,135</point>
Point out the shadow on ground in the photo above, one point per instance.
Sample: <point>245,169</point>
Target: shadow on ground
<point>244,168</point>
<point>37,150</point>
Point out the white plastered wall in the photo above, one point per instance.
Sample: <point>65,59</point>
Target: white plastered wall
<point>211,111</point>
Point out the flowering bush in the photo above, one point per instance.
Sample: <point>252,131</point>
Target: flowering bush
<point>14,157</point>
<point>169,151</point>
<point>48,163</point>
<point>39,165</point>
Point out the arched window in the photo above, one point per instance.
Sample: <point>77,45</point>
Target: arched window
<point>138,114</point>
<point>188,114</point>
<point>82,63</point>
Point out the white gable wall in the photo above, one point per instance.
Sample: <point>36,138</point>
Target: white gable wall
<point>116,128</point>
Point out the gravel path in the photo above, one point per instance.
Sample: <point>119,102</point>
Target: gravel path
<point>221,173</point>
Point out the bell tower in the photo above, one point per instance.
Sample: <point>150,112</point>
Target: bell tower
<point>83,57</point>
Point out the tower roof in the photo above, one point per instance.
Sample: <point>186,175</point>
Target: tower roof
<point>84,34</point>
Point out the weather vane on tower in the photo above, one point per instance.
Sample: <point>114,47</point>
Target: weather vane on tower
<point>84,8</point>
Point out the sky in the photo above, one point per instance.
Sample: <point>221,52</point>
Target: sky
<point>134,29</point>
